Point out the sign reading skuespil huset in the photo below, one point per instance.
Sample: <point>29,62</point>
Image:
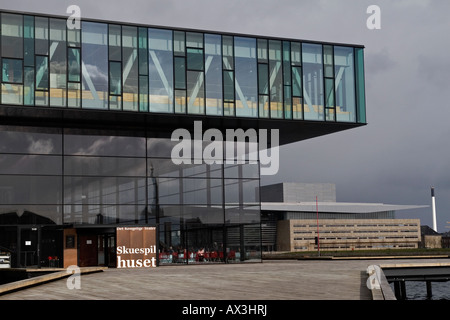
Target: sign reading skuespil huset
<point>136,247</point>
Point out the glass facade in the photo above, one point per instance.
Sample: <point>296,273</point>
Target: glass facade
<point>85,173</point>
<point>109,66</point>
<point>102,178</point>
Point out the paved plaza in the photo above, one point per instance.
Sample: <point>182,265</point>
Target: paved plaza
<point>270,280</point>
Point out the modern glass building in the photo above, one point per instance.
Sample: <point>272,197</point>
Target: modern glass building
<point>87,117</point>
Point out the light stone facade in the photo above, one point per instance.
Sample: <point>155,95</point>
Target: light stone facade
<point>347,234</point>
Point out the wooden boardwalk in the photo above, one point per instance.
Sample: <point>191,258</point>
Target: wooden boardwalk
<point>270,280</point>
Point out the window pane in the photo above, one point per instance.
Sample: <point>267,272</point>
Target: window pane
<point>12,93</point>
<point>213,76</point>
<point>74,94</point>
<point>130,65</point>
<point>195,59</point>
<point>41,33</point>
<point>160,70</point>
<point>286,63</point>
<point>287,102</point>
<point>104,166</point>
<point>74,37</point>
<point>313,81</point>
<point>12,35</point>
<point>297,81</point>
<point>345,84</point>
<point>74,65</point>
<point>103,145</point>
<point>227,51</point>
<point>276,79</point>
<point>28,40</point>
<point>296,56</point>
<point>180,73</point>
<point>228,86</point>
<point>263,106</point>
<point>195,92</point>
<point>329,93</point>
<point>246,77</point>
<point>179,43</point>
<point>360,90</point>
<point>180,101</point>
<point>30,140</point>
<point>28,82</point>
<point>194,40</point>
<point>297,108</point>
<point>262,50</point>
<point>263,78</point>
<point>30,164</point>
<point>58,62</point>
<point>28,189</point>
<point>143,51</point>
<point>94,65</point>
<point>41,73</point>
<point>143,93</point>
<point>115,42</point>
<point>328,61</point>
<point>12,71</point>
<point>115,78</point>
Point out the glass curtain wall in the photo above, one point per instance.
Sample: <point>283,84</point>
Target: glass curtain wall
<point>105,178</point>
<point>109,66</point>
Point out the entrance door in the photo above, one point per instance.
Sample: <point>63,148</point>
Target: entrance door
<point>88,250</point>
<point>29,246</point>
<point>107,250</point>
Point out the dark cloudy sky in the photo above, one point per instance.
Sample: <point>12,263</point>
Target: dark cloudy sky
<point>405,147</point>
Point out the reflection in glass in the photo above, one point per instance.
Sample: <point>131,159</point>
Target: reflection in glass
<point>30,189</point>
<point>74,65</point>
<point>74,95</point>
<point>32,140</point>
<point>313,92</point>
<point>31,214</point>
<point>246,77</point>
<point>195,59</point>
<point>213,75</point>
<point>12,70</point>
<point>115,42</point>
<point>195,92</point>
<point>28,87</point>
<point>58,62</point>
<point>30,164</point>
<point>360,90</point>
<point>130,65</point>
<point>160,70</point>
<point>180,73</point>
<point>28,40</point>
<point>12,35</point>
<point>103,190</point>
<point>94,65</point>
<point>228,92</point>
<point>104,166</point>
<point>276,79</point>
<point>80,144</point>
<point>345,84</point>
<point>42,73</point>
<point>115,78</point>
<point>41,35</point>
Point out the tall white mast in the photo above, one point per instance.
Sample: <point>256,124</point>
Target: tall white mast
<point>433,204</point>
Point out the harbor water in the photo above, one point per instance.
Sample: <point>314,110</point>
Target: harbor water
<point>417,290</point>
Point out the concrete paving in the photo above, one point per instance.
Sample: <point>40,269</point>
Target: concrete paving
<point>270,280</point>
